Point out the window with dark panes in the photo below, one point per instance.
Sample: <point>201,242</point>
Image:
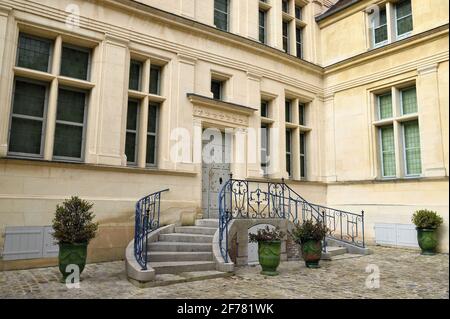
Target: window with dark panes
<point>216,89</point>
<point>298,12</point>
<point>403,15</point>
<point>264,108</point>
<point>135,75</point>
<point>221,12</point>
<point>152,132</point>
<point>70,122</point>
<point>155,80</point>
<point>264,147</point>
<point>285,6</point>
<point>286,37</point>
<point>75,62</point>
<point>301,114</point>
<point>28,114</point>
<point>34,52</point>
<point>408,101</point>
<point>288,111</point>
<point>132,132</point>
<point>298,41</point>
<point>289,152</point>
<point>262,26</point>
<point>302,154</point>
<point>380,27</point>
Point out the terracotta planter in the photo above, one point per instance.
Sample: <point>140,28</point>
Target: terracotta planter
<point>269,257</point>
<point>428,240</point>
<point>312,253</point>
<point>71,254</point>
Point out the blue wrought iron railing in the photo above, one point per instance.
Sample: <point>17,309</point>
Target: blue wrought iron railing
<point>148,210</point>
<point>245,199</point>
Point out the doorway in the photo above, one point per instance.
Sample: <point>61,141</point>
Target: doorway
<point>216,169</point>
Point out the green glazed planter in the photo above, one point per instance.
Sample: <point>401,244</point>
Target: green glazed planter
<point>71,254</point>
<point>312,253</point>
<point>428,240</point>
<point>269,257</point>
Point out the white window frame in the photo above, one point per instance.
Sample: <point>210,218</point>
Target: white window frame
<point>287,37</point>
<point>379,105</point>
<point>401,100</point>
<point>404,35</point>
<point>265,128</point>
<point>136,132</point>
<point>405,164</point>
<point>381,154</point>
<point>298,28</point>
<point>304,155</point>
<point>374,27</point>
<point>156,135</point>
<point>83,125</point>
<point>43,119</point>
<point>289,153</point>
<point>227,14</point>
<point>264,27</point>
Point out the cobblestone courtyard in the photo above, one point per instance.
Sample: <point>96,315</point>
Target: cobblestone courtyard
<point>403,274</point>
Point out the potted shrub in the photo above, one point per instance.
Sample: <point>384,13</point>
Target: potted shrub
<point>427,222</point>
<point>269,249</point>
<point>73,229</point>
<point>309,235</point>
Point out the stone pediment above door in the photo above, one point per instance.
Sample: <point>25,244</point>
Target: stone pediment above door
<point>220,112</point>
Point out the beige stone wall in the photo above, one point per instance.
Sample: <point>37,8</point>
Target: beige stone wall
<point>338,44</point>
<point>392,202</point>
<point>30,192</point>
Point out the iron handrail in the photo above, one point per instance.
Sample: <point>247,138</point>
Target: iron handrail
<point>148,210</point>
<point>278,200</point>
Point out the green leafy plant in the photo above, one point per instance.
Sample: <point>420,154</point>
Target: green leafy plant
<point>267,234</point>
<point>426,219</point>
<point>309,230</point>
<point>73,222</point>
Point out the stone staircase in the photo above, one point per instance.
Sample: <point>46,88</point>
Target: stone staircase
<point>188,249</point>
<point>335,251</point>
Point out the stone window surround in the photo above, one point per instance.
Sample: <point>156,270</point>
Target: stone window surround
<point>391,22</point>
<point>145,98</point>
<point>54,81</point>
<point>296,129</point>
<point>397,121</point>
<point>293,24</point>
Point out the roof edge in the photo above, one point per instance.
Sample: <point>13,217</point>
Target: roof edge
<point>333,11</point>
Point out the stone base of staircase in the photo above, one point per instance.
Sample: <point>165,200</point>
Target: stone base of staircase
<point>177,254</point>
<point>337,250</point>
<point>172,279</point>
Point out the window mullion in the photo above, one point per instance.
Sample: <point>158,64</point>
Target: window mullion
<point>142,130</point>
<point>50,122</point>
<point>398,146</point>
<point>390,21</point>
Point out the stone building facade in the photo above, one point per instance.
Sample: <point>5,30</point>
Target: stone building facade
<point>94,95</point>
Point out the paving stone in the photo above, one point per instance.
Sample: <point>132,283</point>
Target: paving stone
<point>403,274</point>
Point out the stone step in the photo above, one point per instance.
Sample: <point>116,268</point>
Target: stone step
<point>346,256</point>
<point>164,256</point>
<point>175,267</point>
<point>207,223</point>
<point>171,279</point>
<point>187,238</point>
<point>196,230</point>
<point>333,251</point>
<point>180,247</point>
